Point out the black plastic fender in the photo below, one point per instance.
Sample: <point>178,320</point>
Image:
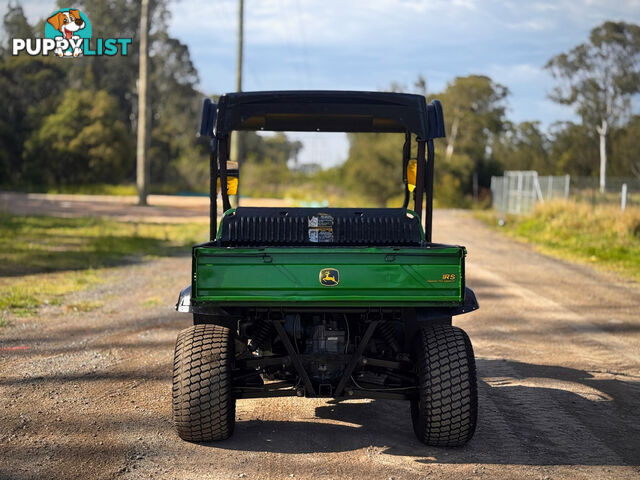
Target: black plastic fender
<point>444,314</point>
<point>470,303</point>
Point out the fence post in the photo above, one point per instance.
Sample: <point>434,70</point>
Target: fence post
<point>549,186</point>
<point>623,195</point>
<point>506,192</point>
<point>567,181</point>
<point>538,190</point>
<point>519,197</point>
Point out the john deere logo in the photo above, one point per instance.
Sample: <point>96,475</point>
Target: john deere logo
<point>329,277</point>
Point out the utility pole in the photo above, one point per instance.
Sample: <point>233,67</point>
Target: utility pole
<point>240,44</point>
<point>142,148</point>
<point>236,140</point>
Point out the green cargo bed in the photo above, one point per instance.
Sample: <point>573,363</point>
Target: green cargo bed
<point>338,276</point>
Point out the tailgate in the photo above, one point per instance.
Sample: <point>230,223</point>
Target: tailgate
<point>329,276</point>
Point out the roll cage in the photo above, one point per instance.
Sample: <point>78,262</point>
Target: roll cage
<point>326,111</point>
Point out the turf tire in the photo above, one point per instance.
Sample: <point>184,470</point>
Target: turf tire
<point>446,410</point>
<point>204,409</point>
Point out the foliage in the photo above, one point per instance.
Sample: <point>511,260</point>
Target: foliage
<point>474,113</point>
<point>573,149</point>
<point>523,146</point>
<point>76,122</point>
<point>84,141</point>
<point>275,148</point>
<point>477,105</point>
<point>264,171</point>
<point>374,165</point>
<point>602,236</point>
<point>599,77</point>
<point>626,149</point>
<point>70,126</point>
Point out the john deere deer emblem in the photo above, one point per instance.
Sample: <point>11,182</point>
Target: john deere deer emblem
<point>329,277</point>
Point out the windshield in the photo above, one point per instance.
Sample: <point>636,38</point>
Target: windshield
<point>321,169</point>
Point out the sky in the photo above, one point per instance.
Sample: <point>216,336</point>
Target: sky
<point>367,45</point>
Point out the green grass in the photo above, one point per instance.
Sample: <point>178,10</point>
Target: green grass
<point>95,189</point>
<point>117,190</point>
<point>45,258</point>
<point>35,244</point>
<point>23,295</point>
<point>602,236</point>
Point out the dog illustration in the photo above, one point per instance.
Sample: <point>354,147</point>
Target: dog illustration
<point>67,23</point>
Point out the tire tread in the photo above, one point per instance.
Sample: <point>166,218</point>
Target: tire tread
<point>203,404</point>
<point>445,415</point>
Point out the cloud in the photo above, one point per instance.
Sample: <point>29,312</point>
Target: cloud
<point>531,25</point>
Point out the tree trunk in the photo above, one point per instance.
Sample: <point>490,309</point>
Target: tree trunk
<point>142,147</point>
<point>602,131</point>
<point>452,138</point>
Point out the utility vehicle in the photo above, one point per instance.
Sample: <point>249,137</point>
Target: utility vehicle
<point>326,302</point>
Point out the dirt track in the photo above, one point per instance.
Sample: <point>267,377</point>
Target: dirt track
<point>87,395</point>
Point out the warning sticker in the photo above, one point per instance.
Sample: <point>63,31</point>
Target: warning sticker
<point>321,228</point>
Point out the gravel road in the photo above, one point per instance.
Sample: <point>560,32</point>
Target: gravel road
<point>87,394</point>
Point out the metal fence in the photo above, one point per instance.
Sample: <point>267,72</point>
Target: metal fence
<point>622,191</point>
<point>517,192</point>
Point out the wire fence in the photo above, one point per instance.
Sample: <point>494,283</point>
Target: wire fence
<point>622,191</point>
<point>517,192</point>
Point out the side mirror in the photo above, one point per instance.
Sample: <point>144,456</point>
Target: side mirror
<point>232,178</point>
<point>208,119</point>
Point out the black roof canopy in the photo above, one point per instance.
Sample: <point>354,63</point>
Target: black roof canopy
<point>329,111</point>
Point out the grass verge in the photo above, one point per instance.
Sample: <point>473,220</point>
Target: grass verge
<point>601,236</point>
<point>45,258</point>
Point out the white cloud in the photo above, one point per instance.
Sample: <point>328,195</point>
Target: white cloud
<point>545,7</point>
<point>517,73</point>
<point>532,25</point>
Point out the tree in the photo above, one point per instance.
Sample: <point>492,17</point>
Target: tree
<point>16,24</point>
<point>522,147</point>
<point>474,108</point>
<point>599,77</point>
<point>374,166</point>
<point>83,141</point>
<point>31,88</point>
<point>474,112</point>
<point>572,149</point>
<point>35,87</point>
